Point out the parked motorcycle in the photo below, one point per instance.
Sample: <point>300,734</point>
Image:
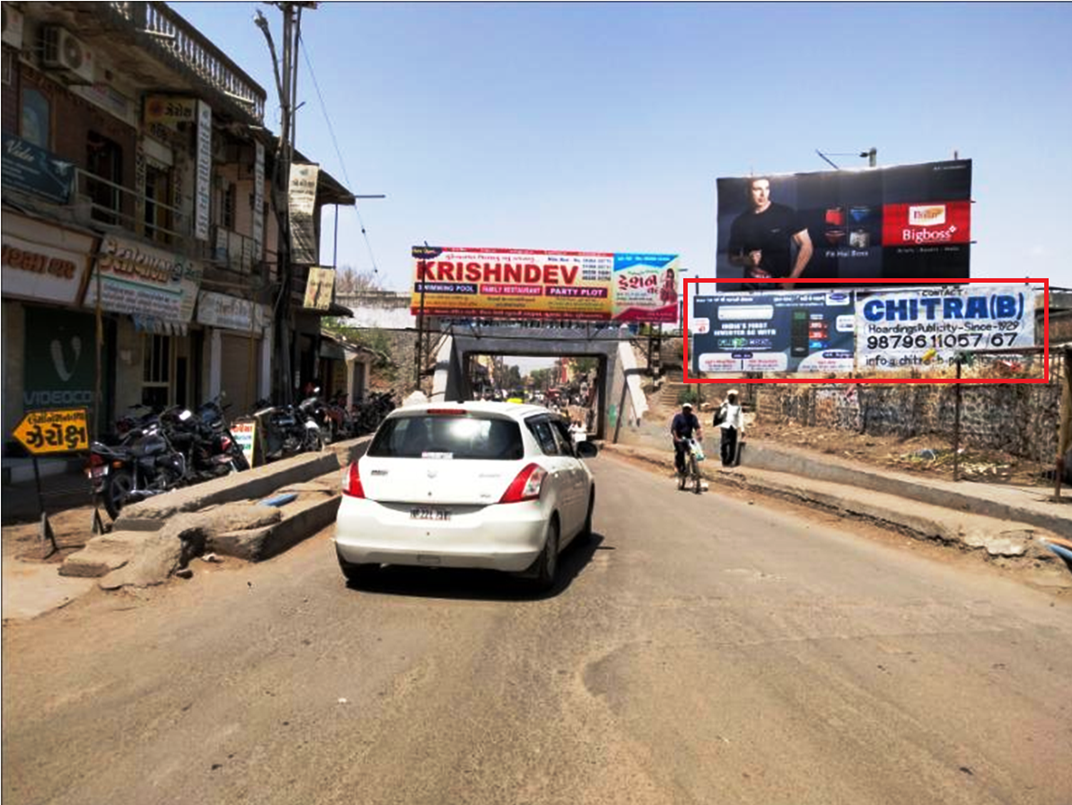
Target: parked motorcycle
<point>288,429</point>
<point>341,422</point>
<point>213,418</point>
<point>313,407</point>
<point>209,452</point>
<point>369,413</point>
<point>144,464</point>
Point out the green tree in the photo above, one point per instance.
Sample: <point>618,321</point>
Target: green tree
<point>512,378</point>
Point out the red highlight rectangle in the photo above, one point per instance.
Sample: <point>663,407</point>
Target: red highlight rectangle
<point>854,284</point>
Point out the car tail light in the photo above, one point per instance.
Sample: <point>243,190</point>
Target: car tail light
<point>526,486</point>
<point>351,482</point>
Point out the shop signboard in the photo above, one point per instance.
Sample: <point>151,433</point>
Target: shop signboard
<point>512,284</point>
<point>143,280</point>
<point>783,331</point>
<point>904,222</point>
<point>245,433</point>
<point>169,111</point>
<point>203,175</point>
<point>913,328</point>
<point>230,313</point>
<point>319,288</point>
<point>30,169</point>
<point>302,198</point>
<point>42,262</point>
<point>258,201</point>
<point>60,362</point>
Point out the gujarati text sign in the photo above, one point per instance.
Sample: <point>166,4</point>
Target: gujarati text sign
<point>549,285</point>
<point>59,431</point>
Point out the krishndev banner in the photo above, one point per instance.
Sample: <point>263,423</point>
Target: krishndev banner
<point>907,221</point>
<point>461,282</point>
<point>773,332</point>
<point>920,327</point>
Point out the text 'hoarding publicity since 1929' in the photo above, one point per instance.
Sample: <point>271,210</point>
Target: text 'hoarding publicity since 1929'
<point>517,284</point>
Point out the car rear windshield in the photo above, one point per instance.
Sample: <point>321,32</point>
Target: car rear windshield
<point>448,436</point>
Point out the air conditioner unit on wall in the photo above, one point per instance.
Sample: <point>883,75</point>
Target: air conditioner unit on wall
<point>12,18</point>
<point>63,52</point>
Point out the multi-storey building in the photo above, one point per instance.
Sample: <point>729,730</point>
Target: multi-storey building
<point>140,256</point>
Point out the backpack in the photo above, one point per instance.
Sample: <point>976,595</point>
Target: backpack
<point>720,416</point>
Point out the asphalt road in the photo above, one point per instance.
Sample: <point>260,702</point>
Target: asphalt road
<point>701,649</point>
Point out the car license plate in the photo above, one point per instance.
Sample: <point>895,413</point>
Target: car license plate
<point>429,513</point>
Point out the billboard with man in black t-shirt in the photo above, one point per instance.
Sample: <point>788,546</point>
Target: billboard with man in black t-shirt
<point>770,240</point>
<point>905,221</point>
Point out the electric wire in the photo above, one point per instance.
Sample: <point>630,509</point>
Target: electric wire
<point>338,152</point>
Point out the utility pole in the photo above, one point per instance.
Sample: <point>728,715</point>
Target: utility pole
<point>286,79</point>
<point>422,278</point>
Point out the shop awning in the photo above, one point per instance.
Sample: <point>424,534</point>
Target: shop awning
<point>147,324</point>
<point>331,350</point>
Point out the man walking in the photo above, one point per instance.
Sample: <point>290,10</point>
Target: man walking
<point>730,419</point>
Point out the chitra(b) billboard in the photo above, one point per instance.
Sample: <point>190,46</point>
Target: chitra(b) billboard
<point>920,327</point>
<point>513,284</point>
<point>907,221</point>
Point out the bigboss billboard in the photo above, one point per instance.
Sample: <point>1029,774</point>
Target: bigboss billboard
<point>461,282</point>
<point>908,221</point>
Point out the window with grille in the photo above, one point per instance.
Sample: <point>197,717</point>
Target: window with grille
<point>157,370</point>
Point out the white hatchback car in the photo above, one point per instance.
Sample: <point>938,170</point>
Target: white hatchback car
<point>466,485</point>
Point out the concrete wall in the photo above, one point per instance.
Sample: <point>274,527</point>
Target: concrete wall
<point>1020,419</point>
<point>383,310</point>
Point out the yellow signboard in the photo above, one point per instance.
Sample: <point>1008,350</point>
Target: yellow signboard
<point>319,288</point>
<point>170,110</point>
<point>63,431</point>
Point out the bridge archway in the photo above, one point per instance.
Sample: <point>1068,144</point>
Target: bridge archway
<point>602,343</point>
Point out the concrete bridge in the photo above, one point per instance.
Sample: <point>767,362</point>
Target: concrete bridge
<point>618,377</point>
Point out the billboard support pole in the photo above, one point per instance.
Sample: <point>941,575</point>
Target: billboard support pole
<point>422,269</point>
<point>956,426</point>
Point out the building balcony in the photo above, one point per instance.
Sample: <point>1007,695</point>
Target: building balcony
<point>153,42</point>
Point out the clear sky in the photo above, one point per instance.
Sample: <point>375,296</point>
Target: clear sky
<point>603,126</point>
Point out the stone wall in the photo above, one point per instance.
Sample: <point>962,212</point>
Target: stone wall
<point>1020,419</point>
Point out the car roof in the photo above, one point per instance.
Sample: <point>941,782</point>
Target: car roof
<point>512,410</point>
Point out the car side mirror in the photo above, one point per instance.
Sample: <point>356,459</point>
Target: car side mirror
<point>587,449</point>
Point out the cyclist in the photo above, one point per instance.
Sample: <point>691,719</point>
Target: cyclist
<point>684,425</point>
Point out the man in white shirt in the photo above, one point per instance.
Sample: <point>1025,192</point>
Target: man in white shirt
<point>730,420</point>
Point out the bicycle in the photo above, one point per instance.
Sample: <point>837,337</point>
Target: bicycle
<point>691,475</point>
